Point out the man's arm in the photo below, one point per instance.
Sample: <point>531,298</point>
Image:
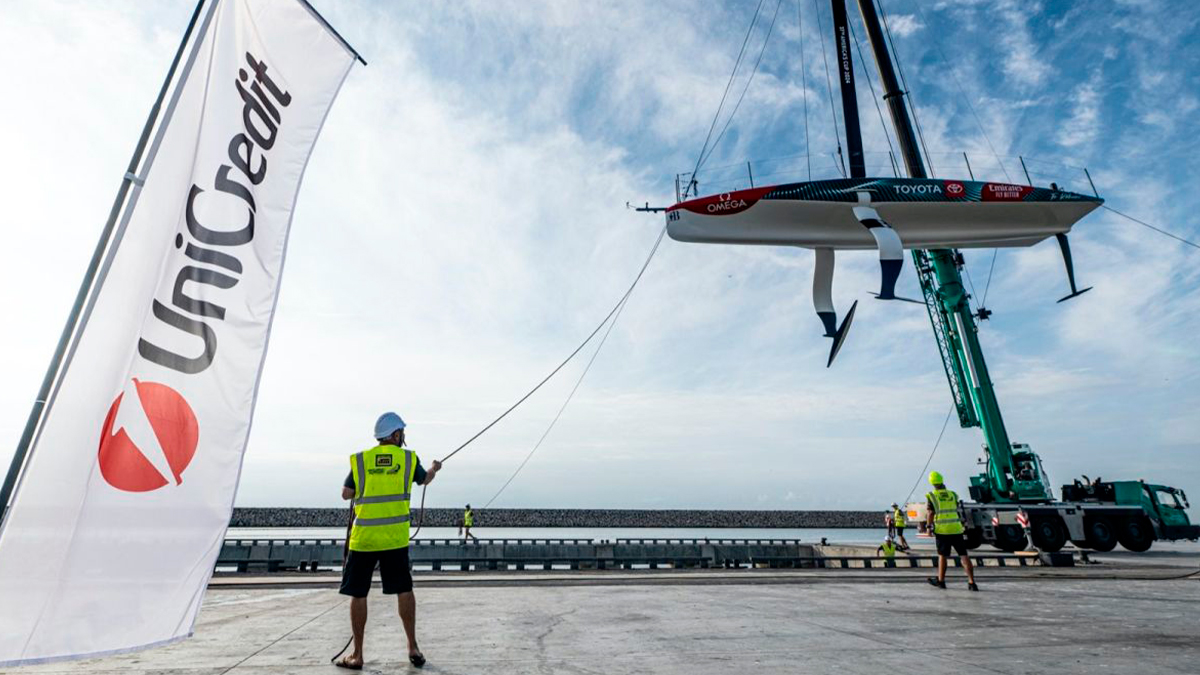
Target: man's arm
<point>431,472</point>
<point>929,516</point>
<point>348,486</point>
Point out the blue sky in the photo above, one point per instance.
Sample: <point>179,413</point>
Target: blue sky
<point>463,225</point>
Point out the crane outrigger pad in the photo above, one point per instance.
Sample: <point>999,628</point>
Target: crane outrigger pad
<point>925,213</point>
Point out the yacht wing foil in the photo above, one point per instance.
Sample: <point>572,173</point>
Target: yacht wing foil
<point>924,213</point>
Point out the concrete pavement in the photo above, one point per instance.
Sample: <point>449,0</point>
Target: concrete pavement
<point>1028,620</point>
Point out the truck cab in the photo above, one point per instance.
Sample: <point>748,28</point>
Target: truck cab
<point>1170,506</point>
<point>1026,480</point>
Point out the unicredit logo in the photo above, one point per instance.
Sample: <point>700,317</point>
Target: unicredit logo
<point>149,438</point>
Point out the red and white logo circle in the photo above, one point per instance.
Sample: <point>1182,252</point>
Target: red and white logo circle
<point>955,189</point>
<point>147,439</point>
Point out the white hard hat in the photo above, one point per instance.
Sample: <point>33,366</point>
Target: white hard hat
<point>388,424</point>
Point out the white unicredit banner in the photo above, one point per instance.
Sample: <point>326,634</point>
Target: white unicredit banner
<point>120,513</point>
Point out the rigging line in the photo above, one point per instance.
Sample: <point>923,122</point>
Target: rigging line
<point>974,293</point>
<point>611,314</point>
<point>988,286</point>
<point>560,366</point>
<point>1145,224</point>
<point>954,76</point>
<point>567,402</point>
<point>736,64</point>
<point>904,82</point>
<point>276,641</point>
<point>804,87</point>
<point>837,134</point>
<point>871,84</point>
<point>750,79</point>
<point>931,453</point>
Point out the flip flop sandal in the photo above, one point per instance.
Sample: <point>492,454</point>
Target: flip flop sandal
<point>345,663</point>
<point>417,660</point>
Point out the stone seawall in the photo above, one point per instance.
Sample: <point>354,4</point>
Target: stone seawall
<point>298,517</point>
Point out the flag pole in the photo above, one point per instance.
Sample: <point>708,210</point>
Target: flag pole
<point>85,287</point>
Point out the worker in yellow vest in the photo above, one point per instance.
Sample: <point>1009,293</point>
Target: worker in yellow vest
<point>380,484</point>
<point>898,523</point>
<point>943,519</point>
<point>468,519</point>
<point>888,550</point>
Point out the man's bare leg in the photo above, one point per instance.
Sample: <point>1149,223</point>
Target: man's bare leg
<point>358,624</point>
<point>942,568</point>
<point>966,561</point>
<point>407,603</point>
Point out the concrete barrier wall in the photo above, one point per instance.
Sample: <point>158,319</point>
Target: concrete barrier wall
<point>304,517</point>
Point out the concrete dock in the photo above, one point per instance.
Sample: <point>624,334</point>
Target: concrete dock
<point>1118,616</point>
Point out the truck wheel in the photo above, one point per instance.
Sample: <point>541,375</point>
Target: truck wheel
<point>1047,534</point>
<point>1135,534</point>
<point>1010,538</point>
<point>1100,534</point>
<point>973,537</point>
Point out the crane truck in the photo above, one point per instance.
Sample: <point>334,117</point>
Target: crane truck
<point>1012,499</point>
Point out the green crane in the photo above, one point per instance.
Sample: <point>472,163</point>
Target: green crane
<point>1014,473</point>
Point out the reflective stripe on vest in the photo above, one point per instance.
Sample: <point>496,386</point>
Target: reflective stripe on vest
<point>945,512</point>
<point>898,517</point>
<point>382,499</point>
<point>382,488</point>
<point>376,522</point>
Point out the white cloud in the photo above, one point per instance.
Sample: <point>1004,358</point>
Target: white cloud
<point>904,25</point>
<point>1084,124</point>
<point>1024,66</point>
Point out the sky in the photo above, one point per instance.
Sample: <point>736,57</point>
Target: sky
<point>463,226</point>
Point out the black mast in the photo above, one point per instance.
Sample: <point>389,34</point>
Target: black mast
<point>841,40</point>
<point>892,93</point>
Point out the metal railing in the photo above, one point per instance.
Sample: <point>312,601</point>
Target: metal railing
<point>960,165</point>
<point>326,554</point>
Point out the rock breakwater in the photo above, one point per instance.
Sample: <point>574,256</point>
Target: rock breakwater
<point>676,518</point>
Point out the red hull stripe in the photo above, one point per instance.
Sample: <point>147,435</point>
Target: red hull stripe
<point>724,204</point>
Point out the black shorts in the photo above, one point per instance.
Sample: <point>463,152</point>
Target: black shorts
<point>394,571</point>
<point>900,530</point>
<point>948,542</point>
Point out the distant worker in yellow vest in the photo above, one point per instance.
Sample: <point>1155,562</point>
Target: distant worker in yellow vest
<point>898,522</point>
<point>380,483</point>
<point>468,520</point>
<point>888,550</point>
<point>944,521</point>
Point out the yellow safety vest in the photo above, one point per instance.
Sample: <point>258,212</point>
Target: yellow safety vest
<point>468,518</point>
<point>945,512</point>
<point>898,517</point>
<point>383,478</point>
<point>889,549</point>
